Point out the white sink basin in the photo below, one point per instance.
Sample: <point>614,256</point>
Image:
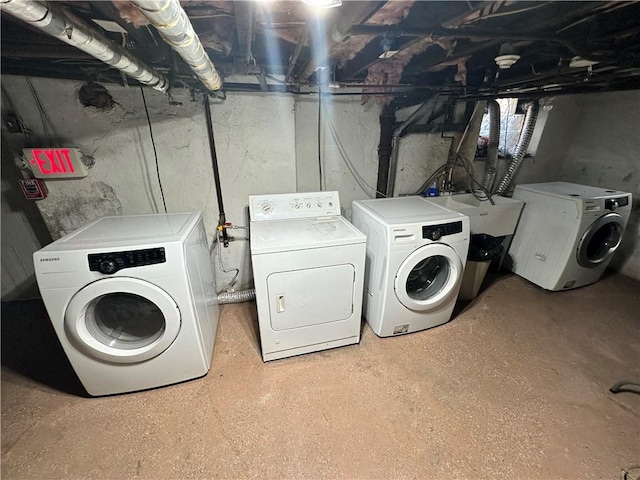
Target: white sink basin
<point>497,220</point>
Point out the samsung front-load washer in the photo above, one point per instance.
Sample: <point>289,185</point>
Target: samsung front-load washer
<point>567,233</point>
<point>416,252</point>
<point>132,300</point>
<point>308,266</point>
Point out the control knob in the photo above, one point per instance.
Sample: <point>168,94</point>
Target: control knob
<point>435,234</point>
<point>107,265</point>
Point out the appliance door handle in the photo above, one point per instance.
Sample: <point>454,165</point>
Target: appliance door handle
<point>280,303</point>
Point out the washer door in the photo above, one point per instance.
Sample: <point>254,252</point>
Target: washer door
<point>429,277</point>
<point>600,241</point>
<point>122,320</point>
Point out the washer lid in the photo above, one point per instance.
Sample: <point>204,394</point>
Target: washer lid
<point>303,233</point>
<point>407,210</point>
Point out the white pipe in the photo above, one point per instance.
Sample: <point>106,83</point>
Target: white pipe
<point>75,32</point>
<point>174,26</point>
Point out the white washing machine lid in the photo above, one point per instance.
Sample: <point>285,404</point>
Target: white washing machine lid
<point>129,230</point>
<point>302,233</point>
<point>571,191</point>
<point>407,210</point>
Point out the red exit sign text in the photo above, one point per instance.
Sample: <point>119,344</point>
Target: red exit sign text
<point>55,162</point>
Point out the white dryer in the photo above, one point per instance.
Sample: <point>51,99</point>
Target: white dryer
<point>308,266</point>
<point>567,233</point>
<point>416,252</point>
<point>132,300</point>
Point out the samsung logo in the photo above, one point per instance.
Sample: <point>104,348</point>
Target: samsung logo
<point>50,259</point>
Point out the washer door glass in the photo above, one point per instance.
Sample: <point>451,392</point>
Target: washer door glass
<point>122,320</point>
<point>600,241</point>
<point>429,277</point>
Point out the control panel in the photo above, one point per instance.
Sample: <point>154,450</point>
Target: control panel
<point>111,262</point>
<point>613,203</point>
<point>435,232</point>
<point>293,205</point>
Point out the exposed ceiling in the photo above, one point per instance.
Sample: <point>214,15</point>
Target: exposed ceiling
<point>403,49</point>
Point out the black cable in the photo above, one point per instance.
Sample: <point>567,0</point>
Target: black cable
<point>155,153</point>
<point>319,139</point>
<point>625,386</point>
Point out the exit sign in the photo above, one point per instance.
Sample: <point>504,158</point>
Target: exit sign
<point>53,163</point>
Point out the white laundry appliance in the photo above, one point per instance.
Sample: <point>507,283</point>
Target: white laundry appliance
<point>567,233</point>
<point>132,300</point>
<point>416,252</point>
<point>308,266</point>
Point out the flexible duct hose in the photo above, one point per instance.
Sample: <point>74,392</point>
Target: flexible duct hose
<point>492,150</point>
<point>521,149</point>
<point>237,297</point>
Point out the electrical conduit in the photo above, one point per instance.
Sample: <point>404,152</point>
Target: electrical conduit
<point>176,29</point>
<point>73,31</point>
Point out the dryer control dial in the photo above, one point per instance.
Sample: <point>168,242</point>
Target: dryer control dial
<point>108,266</point>
<point>435,234</point>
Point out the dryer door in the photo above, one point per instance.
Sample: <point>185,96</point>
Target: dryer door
<point>122,320</point>
<point>600,241</point>
<point>429,277</point>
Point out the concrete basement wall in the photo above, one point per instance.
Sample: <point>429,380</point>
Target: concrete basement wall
<point>255,145</point>
<point>594,139</point>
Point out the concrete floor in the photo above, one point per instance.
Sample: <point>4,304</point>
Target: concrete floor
<point>516,386</point>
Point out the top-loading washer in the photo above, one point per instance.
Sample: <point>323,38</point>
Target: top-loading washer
<point>567,233</point>
<point>416,252</point>
<point>132,300</point>
<point>308,265</point>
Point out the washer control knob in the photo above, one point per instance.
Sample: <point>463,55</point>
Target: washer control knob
<point>108,266</point>
<point>435,234</point>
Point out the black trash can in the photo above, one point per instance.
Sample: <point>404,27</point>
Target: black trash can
<point>483,249</point>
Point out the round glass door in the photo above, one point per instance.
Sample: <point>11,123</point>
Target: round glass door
<point>429,277</point>
<point>600,241</point>
<point>122,320</point>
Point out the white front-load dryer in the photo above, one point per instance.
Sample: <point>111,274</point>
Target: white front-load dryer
<point>567,233</point>
<point>132,300</point>
<point>416,253</point>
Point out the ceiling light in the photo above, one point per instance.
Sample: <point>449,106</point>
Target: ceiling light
<point>323,3</point>
<point>506,61</point>
<point>579,62</point>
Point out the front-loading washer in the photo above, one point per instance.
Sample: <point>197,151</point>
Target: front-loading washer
<point>132,300</point>
<point>308,267</point>
<point>567,233</point>
<point>416,253</point>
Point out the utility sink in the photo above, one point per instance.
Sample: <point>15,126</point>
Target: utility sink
<point>497,220</point>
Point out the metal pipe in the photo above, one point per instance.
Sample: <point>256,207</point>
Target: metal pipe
<point>237,297</point>
<point>222,220</point>
<point>73,31</point>
<point>521,148</point>
<point>492,149</point>
<point>176,29</point>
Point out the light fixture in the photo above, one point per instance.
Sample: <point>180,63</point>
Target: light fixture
<point>323,3</point>
<point>579,62</point>
<point>506,61</point>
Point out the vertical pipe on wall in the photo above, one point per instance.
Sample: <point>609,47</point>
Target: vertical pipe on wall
<point>222,220</point>
<point>385,147</point>
<point>492,149</point>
